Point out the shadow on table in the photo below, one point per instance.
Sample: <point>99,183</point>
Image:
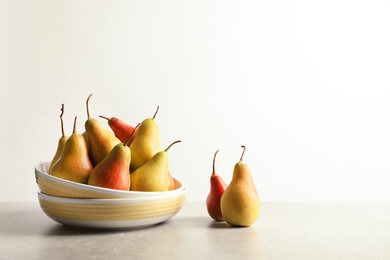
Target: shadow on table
<point>219,224</point>
<point>28,222</point>
<point>67,230</point>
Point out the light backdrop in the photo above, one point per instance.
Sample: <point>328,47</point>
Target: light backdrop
<point>303,84</point>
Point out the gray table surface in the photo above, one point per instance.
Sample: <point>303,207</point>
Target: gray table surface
<point>284,230</point>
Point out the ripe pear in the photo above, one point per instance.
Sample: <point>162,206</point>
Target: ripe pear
<point>100,140</point>
<point>240,204</point>
<point>146,143</point>
<point>85,137</point>
<point>171,181</point>
<point>153,175</point>
<point>217,188</point>
<point>74,163</point>
<point>121,129</point>
<point>61,142</point>
<point>114,170</point>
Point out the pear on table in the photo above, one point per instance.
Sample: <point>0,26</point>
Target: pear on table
<point>100,140</point>
<point>121,129</point>
<point>240,203</point>
<point>146,143</point>
<point>74,163</point>
<point>153,175</point>
<point>61,142</point>
<point>217,188</point>
<point>113,171</point>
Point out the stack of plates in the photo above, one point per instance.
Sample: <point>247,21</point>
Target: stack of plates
<point>76,204</point>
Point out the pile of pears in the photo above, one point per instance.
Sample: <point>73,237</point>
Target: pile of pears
<point>124,158</point>
<point>237,203</point>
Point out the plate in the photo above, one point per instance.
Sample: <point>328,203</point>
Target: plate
<point>130,213</point>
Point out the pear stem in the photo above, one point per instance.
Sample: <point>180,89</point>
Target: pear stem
<point>62,121</point>
<point>178,141</point>
<point>215,155</point>
<point>155,113</point>
<point>74,124</point>
<point>243,151</point>
<point>90,95</point>
<point>132,133</point>
<point>107,118</point>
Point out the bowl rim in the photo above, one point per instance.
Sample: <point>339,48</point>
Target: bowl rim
<point>57,199</point>
<point>39,169</point>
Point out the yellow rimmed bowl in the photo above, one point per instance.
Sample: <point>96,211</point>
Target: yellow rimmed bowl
<point>54,186</point>
<point>125,213</point>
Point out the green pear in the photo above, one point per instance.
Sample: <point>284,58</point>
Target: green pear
<point>153,175</point>
<point>114,170</point>
<point>146,143</point>
<point>99,139</point>
<point>240,203</point>
<point>74,163</point>
<point>61,142</point>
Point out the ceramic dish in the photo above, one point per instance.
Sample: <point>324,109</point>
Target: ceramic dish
<point>112,213</point>
<point>54,186</point>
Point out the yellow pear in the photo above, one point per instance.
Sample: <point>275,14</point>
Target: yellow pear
<point>240,203</point>
<point>100,140</point>
<point>61,142</point>
<point>153,175</point>
<point>146,143</point>
<point>74,163</point>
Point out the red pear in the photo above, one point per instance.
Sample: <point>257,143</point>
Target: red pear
<point>114,170</point>
<point>121,129</point>
<point>171,181</point>
<point>217,188</point>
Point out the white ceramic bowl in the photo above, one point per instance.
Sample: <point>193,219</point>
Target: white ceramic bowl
<point>128,213</point>
<point>54,186</point>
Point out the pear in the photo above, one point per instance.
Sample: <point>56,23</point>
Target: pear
<point>85,137</point>
<point>100,140</point>
<point>217,188</point>
<point>146,143</point>
<point>153,175</point>
<point>120,128</point>
<point>74,163</point>
<point>240,204</point>
<point>61,142</point>
<point>171,181</point>
<point>114,170</point>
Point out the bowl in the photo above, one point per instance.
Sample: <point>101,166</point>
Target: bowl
<point>128,213</point>
<point>54,186</point>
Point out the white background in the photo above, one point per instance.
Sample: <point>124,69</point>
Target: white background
<point>303,84</point>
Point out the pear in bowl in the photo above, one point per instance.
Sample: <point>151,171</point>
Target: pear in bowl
<point>54,186</point>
